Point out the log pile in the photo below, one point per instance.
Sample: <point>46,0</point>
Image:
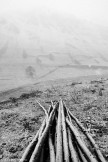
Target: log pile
<point>59,140</point>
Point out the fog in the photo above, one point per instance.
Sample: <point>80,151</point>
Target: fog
<point>51,40</point>
<point>91,10</point>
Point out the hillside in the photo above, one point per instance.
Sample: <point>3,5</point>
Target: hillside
<point>45,41</point>
<point>21,116</point>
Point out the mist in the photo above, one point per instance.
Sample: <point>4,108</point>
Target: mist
<point>50,40</point>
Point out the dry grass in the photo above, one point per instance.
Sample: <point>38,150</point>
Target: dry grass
<point>21,116</point>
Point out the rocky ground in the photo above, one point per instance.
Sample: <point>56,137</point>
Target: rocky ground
<point>21,116</point>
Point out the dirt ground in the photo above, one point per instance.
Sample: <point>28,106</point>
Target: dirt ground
<point>21,116</point>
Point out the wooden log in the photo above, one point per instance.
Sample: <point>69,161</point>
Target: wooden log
<point>27,154</point>
<point>38,148</point>
<point>59,147</point>
<point>81,144</point>
<point>50,109</point>
<point>82,157</point>
<point>51,148</point>
<point>55,134</point>
<point>94,145</point>
<point>42,156</point>
<point>73,153</point>
<point>42,127</point>
<point>79,154</point>
<point>45,111</point>
<point>65,139</point>
<point>55,126</point>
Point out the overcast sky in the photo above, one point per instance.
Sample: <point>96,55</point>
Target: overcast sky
<point>92,10</point>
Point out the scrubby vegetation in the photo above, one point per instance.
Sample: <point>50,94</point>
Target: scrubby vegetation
<point>31,94</point>
<point>21,116</point>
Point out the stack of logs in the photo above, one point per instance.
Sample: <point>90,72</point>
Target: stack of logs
<point>59,140</point>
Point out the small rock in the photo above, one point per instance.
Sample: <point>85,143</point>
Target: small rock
<point>12,150</point>
<point>3,143</point>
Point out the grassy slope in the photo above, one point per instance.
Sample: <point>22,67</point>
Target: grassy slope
<point>21,117</point>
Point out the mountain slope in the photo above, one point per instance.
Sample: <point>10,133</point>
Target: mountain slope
<point>46,40</point>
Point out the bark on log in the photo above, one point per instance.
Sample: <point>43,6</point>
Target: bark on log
<point>38,148</point>
<point>98,152</point>
<point>73,153</point>
<point>81,144</point>
<point>59,148</point>
<point>51,148</point>
<point>65,139</point>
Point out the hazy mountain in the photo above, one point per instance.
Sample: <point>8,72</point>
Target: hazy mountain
<point>46,40</point>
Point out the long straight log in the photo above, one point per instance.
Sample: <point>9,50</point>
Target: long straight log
<point>42,127</point>
<point>59,147</point>
<point>52,104</point>
<point>55,125</point>
<point>94,145</point>
<point>81,156</point>
<point>98,152</point>
<point>77,154</point>
<point>65,139</point>
<point>73,153</point>
<point>51,148</point>
<point>81,144</point>
<point>42,156</point>
<point>55,136</point>
<point>83,159</point>
<point>27,154</point>
<point>50,109</point>
<point>38,148</point>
